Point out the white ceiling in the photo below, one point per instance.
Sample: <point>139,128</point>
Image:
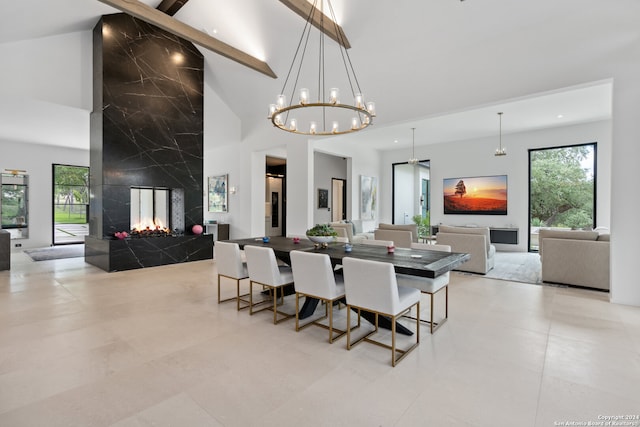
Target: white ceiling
<point>445,67</point>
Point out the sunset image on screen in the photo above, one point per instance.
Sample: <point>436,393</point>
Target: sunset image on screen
<point>485,195</point>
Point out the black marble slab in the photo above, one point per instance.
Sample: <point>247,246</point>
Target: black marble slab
<point>5,250</point>
<point>133,253</point>
<point>147,120</point>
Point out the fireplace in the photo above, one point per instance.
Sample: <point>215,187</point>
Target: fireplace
<point>146,147</point>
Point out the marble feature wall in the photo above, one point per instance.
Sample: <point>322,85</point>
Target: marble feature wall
<point>147,121</point>
<point>5,250</point>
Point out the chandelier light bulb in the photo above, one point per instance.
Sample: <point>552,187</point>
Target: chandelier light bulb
<point>354,123</point>
<point>304,96</point>
<point>371,108</point>
<point>293,125</point>
<point>334,127</point>
<point>312,128</point>
<point>359,100</point>
<point>334,93</point>
<point>272,110</point>
<point>281,101</point>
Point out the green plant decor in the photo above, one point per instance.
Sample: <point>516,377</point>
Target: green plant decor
<point>423,224</point>
<point>322,230</point>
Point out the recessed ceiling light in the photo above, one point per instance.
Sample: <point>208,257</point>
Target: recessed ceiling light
<point>560,116</point>
<point>395,141</point>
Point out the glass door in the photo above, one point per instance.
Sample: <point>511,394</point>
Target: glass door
<point>70,204</point>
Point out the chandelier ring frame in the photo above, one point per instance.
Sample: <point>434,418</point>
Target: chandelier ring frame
<point>368,121</point>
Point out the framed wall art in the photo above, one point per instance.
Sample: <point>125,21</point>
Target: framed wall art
<point>481,195</point>
<point>368,197</point>
<point>323,198</point>
<point>218,193</point>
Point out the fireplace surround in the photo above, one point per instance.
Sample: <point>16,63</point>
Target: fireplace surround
<point>146,133</point>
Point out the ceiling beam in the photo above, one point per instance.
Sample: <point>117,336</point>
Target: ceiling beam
<point>170,7</point>
<point>326,25</point>
<point>172,25</point>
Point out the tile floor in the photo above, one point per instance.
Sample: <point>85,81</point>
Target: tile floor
<point>81,347</point>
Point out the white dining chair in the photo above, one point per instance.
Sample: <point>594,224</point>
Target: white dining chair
<point>230,265</point>
<point>371,286</point>
<point>314,277</point>
<point>264,270</point>
<point>430,286</point>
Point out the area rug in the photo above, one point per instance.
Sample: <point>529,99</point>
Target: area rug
<point>522,267</point>
<point>56,252</point>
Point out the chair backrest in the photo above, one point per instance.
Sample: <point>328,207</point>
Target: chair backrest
<point>262,265</point>
<point>371,284</point>
<point>373,242</point>
<point>402,238</point>
<point>428,247</point>
<point>228,260</point>
<point>439,248</point>
<point>313,274</point>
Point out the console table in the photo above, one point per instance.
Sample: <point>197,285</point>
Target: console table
<point>503,235</point>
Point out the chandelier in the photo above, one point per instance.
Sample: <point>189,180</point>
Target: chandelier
<point>413,160</point>
<point>326,115</point>
<point>500,151</point>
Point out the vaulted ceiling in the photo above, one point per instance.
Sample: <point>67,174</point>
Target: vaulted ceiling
<point>445,66</point>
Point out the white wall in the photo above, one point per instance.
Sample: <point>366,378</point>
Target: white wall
<point>37,160</point>
<point>625,205</point>
<point>56,69</point>
<point>475,158</point>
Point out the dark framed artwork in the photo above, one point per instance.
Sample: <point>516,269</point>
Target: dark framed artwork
<point>480,195</point>
<point>323,198</point>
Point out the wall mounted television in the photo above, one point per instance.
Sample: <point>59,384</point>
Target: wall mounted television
<point>480,195</point>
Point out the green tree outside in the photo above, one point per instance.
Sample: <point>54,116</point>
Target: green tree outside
<point>562,189</point>
<point>71,194</point>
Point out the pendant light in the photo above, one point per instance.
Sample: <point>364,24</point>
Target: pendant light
<point>500,151</point>
<point>413,160</point>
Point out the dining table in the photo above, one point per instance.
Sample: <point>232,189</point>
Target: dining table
<point>413,262</point>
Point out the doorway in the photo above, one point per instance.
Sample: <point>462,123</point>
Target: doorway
<point>70,204</point>
<point>338,199</point>
<point>275,209</point>
<point>411,193</point>
<point>562,189</point>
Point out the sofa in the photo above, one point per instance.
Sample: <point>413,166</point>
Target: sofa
<point>352,230</point>
<point>400,238</point>
<point>575,257</point>
<point>475,241</point>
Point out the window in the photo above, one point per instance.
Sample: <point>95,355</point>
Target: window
<point>562,189</point>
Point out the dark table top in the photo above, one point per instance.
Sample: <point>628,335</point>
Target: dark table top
<point>415,262</point>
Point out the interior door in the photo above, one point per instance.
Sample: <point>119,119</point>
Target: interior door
<point>338,199</point>
<point>273,207</point>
